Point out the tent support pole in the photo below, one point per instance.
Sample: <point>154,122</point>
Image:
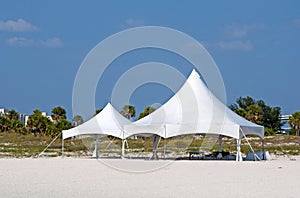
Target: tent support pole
<point>123,145</point>
<point>96,147</point>
<point>165,140</point>
<point>123,148</point>
<point>238,155</point>
<point>263,149</point>
<point>155,141</point>
<point>220,143</point>
<point>220,156</point>
<point>62,147</point>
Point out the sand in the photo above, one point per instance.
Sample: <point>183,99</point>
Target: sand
<point>69,177</point>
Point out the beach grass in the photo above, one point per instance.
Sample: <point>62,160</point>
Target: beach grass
<point>28,145</point>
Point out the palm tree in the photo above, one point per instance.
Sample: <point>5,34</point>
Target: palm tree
<point>294,122</point>
<point>63,125</point>
<point>4,124</point>
<point>98,111</point>
<point>254,113</point>
<point>128,111</point>
<point>13,115</point>
<point>77,120</point>
<point>146,112</point>
<point>17,126</point>
<point>58,113</point>
<point>37,123</point>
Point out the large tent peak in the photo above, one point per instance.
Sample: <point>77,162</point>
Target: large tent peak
<point>194,73</point>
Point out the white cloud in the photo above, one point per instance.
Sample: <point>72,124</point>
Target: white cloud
<point>236,45</point>
<point>19,42</point>
<point>25,42</point>
<point>239,31</point>
<point>130,23</point>
<point>17,26</point>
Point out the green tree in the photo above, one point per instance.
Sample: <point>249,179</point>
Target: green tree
<point>10,122</point>
<point>259,113</point>
<point>4,123</point>
<point>77,120</point>
<point>294,122</point>
<point>58,113</point>
<point>128,111</point>
<point>146,112</point>
<point>254,113</point>
<point>17,126</point>
<point>51,129</point>
<point>271,116</point>
<point>37,123</point>
<point>242,103</point>
<point>13,115</point>
<point>63,125</point>
<point>98,111</point>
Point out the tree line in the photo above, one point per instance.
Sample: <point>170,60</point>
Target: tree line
<point>255,111</point>
<point>260,113</point>
<point>37,123</point>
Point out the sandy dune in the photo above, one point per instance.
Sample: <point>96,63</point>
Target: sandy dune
<point>90,178</point>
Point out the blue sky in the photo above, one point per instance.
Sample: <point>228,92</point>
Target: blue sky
<point>42,44</point>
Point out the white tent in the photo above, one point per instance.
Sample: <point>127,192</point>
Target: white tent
<point>108,122</point>
<point>192,110</point>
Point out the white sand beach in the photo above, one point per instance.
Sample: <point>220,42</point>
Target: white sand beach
<point>70,177</point>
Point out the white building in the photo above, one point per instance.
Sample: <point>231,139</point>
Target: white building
<point>2,112</point>
<point>24,118</point>
<point>43,114</point>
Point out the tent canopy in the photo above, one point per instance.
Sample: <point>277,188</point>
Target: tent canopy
<point>108,122</point>
<point>194,109</point>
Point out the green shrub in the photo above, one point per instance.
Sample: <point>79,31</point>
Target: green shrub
<point>269,131</point>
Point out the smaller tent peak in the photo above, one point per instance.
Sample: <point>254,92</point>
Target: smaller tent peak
<point>110,107</point>
<point>107,106</point>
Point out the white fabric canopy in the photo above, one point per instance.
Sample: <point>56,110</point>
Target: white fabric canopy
<point>108,122</point>
<point>193,109</point>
